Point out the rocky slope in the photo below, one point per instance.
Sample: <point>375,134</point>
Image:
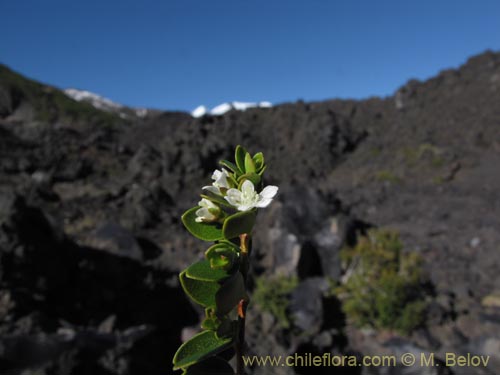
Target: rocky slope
<point>90,237</point>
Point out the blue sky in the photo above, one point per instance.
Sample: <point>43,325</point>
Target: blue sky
<point>177,55</point>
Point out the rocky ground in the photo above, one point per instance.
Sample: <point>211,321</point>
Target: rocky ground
<point>91,241</point>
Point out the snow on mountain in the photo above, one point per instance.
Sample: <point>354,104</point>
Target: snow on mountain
<point>225,107</point>
<point>141,112</point>
<point>97,101</point>
<point>241,106</point>
<point>221,109</point>
<point>199,111</point>
<point>104,104</point>
<point>108,105</point>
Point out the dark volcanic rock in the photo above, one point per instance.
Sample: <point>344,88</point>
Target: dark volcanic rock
<point>6,105</point>
<point>64,293</point>
<point>117,240</point>
<point>306,305</point>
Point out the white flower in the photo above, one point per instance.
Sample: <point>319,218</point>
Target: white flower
<point>220,181</point>
<point>248,198</point>
<point>208,212</point>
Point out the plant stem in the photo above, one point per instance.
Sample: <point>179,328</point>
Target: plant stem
<point>240,343</point>
<point>242,307</point>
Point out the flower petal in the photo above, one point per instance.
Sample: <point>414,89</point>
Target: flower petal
<point>222,182</point>
<point>201,214</point>
<point>212,189</point>
<point>263,202</point>
<point>207,203</point>
<point>216,175</point>
<point>233,196</point>
<point>269,192</point>
<point>247,187</point>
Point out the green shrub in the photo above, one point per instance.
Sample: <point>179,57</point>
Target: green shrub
<point>387,176</point>
<point>272,295</point>
<point>383,286</point>
<point>424,151</point>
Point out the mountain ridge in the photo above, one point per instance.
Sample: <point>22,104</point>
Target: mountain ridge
<point>411,82</point>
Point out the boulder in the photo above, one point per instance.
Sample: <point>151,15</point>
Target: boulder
<point>306,305</point>
<point>117,240</point>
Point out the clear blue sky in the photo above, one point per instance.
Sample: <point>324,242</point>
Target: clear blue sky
<point>171,54</point>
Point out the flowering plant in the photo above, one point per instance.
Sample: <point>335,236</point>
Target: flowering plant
<point>226,216</point>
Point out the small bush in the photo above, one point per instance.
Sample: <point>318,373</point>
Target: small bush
<point>272,295</point>
<point>425,151</point>
<point>387,176</point>
<point>383,286</point>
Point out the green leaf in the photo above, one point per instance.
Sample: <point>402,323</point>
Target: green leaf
<point>204,231</point>
<point>239,157</point>
<point>203,271</point>
<point>239,223</point>
<point>222,255</point>
<point>230,294</point>
<point>258,159</point>
<point>210,366</point>
<point>199,347</point>
<point>231,166</point>
<point>210,323</point>
<point>221,261</point>
<point>253,177</point>
<point>249,164</point>
<point>228,246</point>
<point>261,172</point>
<point>201,292</point>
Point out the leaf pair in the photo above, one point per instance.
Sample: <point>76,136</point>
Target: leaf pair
<point>219,292</point>
<point>245,163</point>
<point>213,288</point>
<point>223,255</point>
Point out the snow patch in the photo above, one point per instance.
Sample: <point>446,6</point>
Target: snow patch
<point>226,107</point>
<point>221,109</point>
<point>199,111</point>
<point>97,101</point>
<point>141,112</point>
<point>105,104</point>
